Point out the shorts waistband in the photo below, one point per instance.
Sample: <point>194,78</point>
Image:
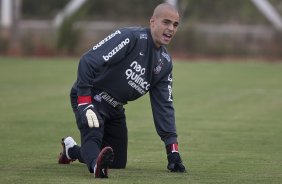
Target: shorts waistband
<point>109,99</point>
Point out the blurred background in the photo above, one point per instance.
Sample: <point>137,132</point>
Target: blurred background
<point>209,28</point>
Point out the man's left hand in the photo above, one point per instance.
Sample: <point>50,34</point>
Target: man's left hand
<point>174,160</point>
<point>175,163</point>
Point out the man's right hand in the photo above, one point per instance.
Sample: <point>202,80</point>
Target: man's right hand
<point>88,113</point>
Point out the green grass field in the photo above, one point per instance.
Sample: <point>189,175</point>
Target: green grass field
<point>229,121</point>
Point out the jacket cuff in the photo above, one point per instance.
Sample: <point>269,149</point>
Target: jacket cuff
<point>170,140</point>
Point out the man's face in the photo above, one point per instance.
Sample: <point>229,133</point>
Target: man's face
<point>164,27</point>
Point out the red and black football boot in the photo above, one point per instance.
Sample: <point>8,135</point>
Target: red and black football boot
<point>104,160</point>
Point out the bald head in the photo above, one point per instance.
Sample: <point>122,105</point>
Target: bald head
<point>163,24</point>
<point>164,7</point>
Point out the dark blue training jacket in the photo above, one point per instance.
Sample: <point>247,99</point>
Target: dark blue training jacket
<point>127,65</point>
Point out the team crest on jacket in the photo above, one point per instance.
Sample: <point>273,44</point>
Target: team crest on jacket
<point>158,67</point>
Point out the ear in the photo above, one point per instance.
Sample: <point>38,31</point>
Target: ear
<point>152,21</point>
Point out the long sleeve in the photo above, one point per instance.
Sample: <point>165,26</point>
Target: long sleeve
<point>163,111</point>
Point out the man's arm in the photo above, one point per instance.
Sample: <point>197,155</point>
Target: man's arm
<point>163,111</point>
<point>164,119</point>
